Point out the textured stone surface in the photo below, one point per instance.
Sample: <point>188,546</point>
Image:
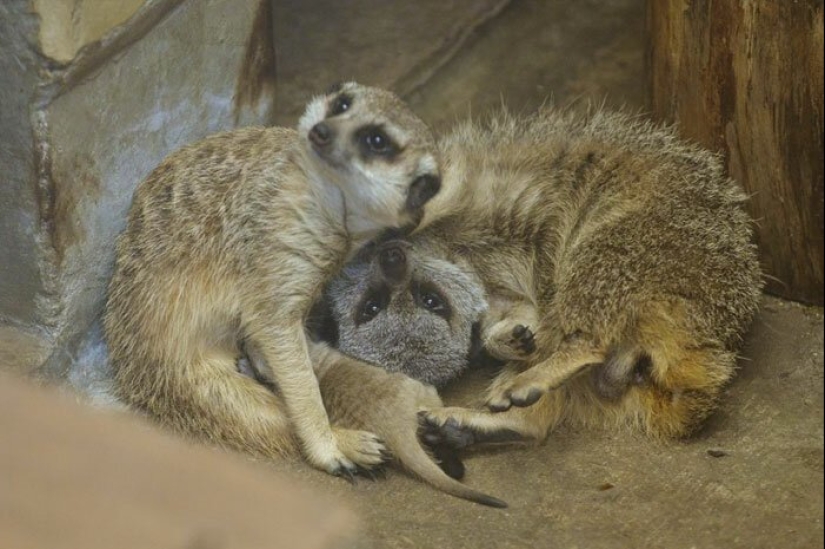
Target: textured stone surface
<point>109,131</point>
<point>68,25</point>
<point>21,276</point>
<point>107,102</point>
<point>537,51</point>
<point>82,135</point>
<point>392,44</point>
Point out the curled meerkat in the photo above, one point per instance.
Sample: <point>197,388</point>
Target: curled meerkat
<point>606,245</point>
<point>436,334</point>
<point>407,312</point>
<point>231,240</point>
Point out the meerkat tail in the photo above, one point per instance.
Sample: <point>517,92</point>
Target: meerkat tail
<point>413,457</point>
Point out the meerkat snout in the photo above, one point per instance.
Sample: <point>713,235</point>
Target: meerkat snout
<point>422,189</point>
<point>393,262</point>
<point>320,135</point>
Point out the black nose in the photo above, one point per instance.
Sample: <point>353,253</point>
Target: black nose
<point>320,135</point>
<point>421,191</point>
<point>393,263</point>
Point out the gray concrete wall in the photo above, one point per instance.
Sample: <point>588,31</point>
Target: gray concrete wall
<point>92,100</point>
<point>21,273</point>
<point>79,135</point>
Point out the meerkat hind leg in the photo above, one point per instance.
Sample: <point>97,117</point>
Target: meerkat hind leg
<point>574,354</point>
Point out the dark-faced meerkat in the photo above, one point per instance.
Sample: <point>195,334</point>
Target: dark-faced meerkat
<point>406,312</point>
<point>608,248</point>
<point>231,240</point>
<point>432,346</point>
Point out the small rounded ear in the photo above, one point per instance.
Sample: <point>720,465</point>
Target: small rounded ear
<point>422,189</point>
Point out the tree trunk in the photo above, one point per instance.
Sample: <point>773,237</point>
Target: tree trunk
<point>745,77</point>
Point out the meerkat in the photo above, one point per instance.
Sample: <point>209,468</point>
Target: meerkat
<point>392,404</point>
<point>377,289</point>
<point>408,313</point>
<point>618,266</point>
<point>228,243</point>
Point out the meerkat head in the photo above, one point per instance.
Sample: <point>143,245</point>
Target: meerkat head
<point>407,311</point>
<point>369,144</point>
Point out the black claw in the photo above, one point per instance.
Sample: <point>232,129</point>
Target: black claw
<point>531,398</point>
<point>369,474</point>
<point>386,455</point>
<point>346,473</point>
<point>524,338</point>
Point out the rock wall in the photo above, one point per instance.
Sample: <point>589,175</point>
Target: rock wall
<point>96,92</point>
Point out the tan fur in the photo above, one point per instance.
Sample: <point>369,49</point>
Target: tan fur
<point>230,241</point>
<point>620,246</point>
<point>362,396</point>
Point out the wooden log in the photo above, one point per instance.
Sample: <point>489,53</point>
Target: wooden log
<point>745,77</point>
<point>75,477</point>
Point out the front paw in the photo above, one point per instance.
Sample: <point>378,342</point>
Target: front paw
<point>357,452</point>
<point>460,428</point>
<point>508,341</point>
<point>438,432</point>
<point>524,390</point>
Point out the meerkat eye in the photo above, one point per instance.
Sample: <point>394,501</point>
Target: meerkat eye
<point>374,303</point>
<point>371,309</point>
<point>374,141</point>
<point>431,300</point>
<point>341,105</point>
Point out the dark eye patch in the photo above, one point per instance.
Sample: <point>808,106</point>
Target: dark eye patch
<point>430,298</point>
<point>375,300</point>
<point>373,141</point>
<point>340,105</point>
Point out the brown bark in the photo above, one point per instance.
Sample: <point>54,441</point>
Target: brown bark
<point>745,77</point>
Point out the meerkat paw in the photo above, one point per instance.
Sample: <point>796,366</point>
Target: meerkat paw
<point>352,453</point>
<point>365,450</point>
<point>507,340</point>
<point>523,390</point>
<point>458,428</point>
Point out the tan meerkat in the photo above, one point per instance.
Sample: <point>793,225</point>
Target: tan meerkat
<point>626,251</point>
<point>231,240</point>
<point>391,404</point>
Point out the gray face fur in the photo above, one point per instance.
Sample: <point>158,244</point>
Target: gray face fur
<point>407,311</point>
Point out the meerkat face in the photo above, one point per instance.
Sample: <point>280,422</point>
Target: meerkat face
<point>368,143</point>
<point>407,312</point>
